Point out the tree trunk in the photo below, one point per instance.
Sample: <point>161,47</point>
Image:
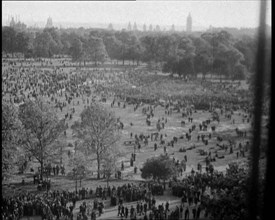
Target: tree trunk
<point>98,169</point>
<point>41,171</point>
<point>76,185</point>
<point>61,151</point>
<point>123,61</point>
<point>164,185</point>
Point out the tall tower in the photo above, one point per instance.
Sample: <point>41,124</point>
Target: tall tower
<point>172,28</point>
<point>110,26</point>
<point>12,23</point>
<point>49,23</point>
<point>189,24</point>
<point>129,28</point>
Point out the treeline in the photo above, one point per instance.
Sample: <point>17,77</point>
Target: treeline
<point>212,52</point>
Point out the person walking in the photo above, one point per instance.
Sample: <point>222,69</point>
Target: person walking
<point>186,214</point>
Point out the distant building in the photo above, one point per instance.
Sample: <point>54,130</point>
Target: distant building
<point>189,24</point>
<point>151,27</point>
<point>129,28</point>
<point>12,23</point>
<point>17,25</point>
<point>110,26</point>
<point>144,28</point>
<point>49,23</point>
<point>173,28</point>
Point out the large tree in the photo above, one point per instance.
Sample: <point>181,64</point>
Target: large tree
<point>76,50</point>
<point>124,39</point>
<point>136,49</point>
<point>42,44</point>
<point>98,132</point>
<point>112,45</point>
<point>22,42</point>
<point>10,130</point>
<point>42,128</point>
<point>8,40</point>
<point>96,49</point>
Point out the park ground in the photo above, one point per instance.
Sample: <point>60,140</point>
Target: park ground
<point>127,115</point>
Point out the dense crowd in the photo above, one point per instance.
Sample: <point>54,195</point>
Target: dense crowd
<point>211,188</point>
<point>65,87</point>
<point>49,205</point>
<point>60,204</point>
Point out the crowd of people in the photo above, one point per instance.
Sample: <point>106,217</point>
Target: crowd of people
<point>49,205</point>
<point>67,88</point>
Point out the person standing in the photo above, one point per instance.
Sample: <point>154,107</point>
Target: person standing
<point>145,208</point>
<point>167,206</point>
<point>122,213</point>
<point>118,210</point>
<point>194,210</point>
<point>126,212</point>
<point>186,214</point>
<point>93,215</point>
<point>198,212</point>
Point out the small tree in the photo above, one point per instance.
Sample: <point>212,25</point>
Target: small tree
<point>98,132</point>
<point>158,168</point>
<point>41,130</point>
<point>79,163</point>
<point>109,167</point>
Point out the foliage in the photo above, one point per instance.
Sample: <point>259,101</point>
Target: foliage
<point>217,52</point>
<point>76,49</point>
<point>158,168</point>
<point>96,49</point>
<point>42,128</point>
<point>9,40</point>
<point>79,164</point>
<point>109,166</point>
<point>97,131</point>
<point>239,72</point>
<point>10,130</point>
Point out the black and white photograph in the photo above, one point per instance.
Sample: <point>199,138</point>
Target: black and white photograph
<point>137,110</point>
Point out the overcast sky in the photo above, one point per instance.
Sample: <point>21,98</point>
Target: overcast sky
<point>218,13</point>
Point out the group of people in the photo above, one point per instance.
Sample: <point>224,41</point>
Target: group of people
<point>49,205</point>
<point>65,88</point>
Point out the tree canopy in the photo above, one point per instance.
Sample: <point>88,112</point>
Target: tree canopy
<point>11,128</point>
<point>41,129</point>
<point>158,168</point>
<point>217,52</point>
<point>97,131</point>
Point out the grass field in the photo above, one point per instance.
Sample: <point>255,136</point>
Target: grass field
<point>172,128</point>
<point>142,84</point>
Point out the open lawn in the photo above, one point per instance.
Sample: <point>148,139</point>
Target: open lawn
<point>147,85</point>
<point>172,128</point>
